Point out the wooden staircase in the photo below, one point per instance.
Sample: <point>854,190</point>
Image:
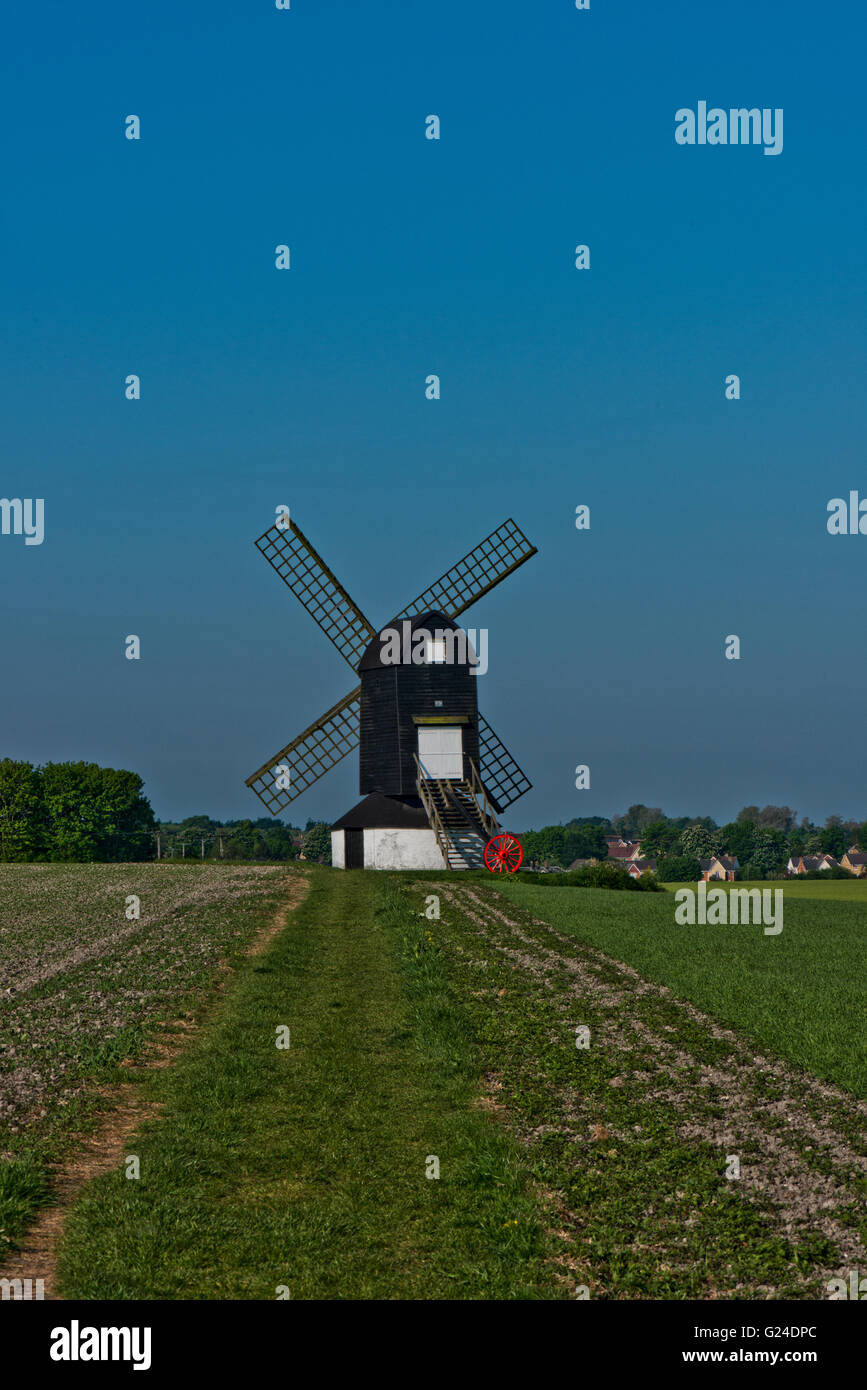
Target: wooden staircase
<point>461,817</point>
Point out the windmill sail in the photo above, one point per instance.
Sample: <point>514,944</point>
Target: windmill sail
<point>498,555</point>
<point>503,779</point>
<point>289,552</point>
<point>309,756</point>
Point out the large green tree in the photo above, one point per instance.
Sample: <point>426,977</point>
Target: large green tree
<point>797,842</point>
<point>660,838</point>
<point>583,840</point>
<point>678,868</point>
<point>244,841</point>
<point>128,836</point>
<point>630,826</point>
<point>277,841</point>
<point>770,817</point>
<point>697,842</point>
<point>317,842</point>
<point>770,850</point>
<point>94,813</point>
<point>737,838</point>
<point>20,819</point>
<point>833,840</point>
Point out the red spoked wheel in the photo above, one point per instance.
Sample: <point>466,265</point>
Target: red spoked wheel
<point>503,854</point>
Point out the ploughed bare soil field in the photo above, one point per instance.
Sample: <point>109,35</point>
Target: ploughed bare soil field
<point>83,978</point>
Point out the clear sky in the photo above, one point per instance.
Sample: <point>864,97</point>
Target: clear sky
<point>408,257</point>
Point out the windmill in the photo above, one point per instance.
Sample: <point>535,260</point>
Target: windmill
<point>433,774</point>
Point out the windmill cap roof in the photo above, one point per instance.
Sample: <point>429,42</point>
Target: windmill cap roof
<point>380,812</point>
<point>377,651</point>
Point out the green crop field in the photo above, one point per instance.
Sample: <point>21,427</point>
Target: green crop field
<point>801,992</point>
<point>832,890</point>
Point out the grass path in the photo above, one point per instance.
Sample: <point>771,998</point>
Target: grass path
<point>306,1168</point>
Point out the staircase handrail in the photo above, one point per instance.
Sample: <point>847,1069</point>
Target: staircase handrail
<point>432,813</point>
<point>480,796</point>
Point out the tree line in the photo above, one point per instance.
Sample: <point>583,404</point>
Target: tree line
<point>202,837</point>
<point>79,812</point>
<point>762,839</point>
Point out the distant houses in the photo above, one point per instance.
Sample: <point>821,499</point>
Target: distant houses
<point>627,853</point>
<point>624,851</point>
<point>636,867</point>
<point>811,863</point>
<point>719,866</point>
<point>856,862</point>
<point>723,868</point>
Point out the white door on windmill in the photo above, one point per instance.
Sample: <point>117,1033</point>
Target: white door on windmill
<point>440,751</point>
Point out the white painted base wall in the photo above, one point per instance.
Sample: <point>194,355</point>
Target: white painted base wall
<point>392,849</point>
<point>401,849</point>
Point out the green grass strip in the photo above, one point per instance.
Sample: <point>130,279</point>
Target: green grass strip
<point>306,1168</point>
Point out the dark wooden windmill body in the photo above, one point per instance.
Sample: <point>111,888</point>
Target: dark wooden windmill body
<point>408,708</point>
<point>432,773</point>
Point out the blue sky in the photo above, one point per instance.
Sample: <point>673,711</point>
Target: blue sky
<point>559,387</point>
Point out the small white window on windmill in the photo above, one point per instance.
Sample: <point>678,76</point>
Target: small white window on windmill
<point>435,649</point>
